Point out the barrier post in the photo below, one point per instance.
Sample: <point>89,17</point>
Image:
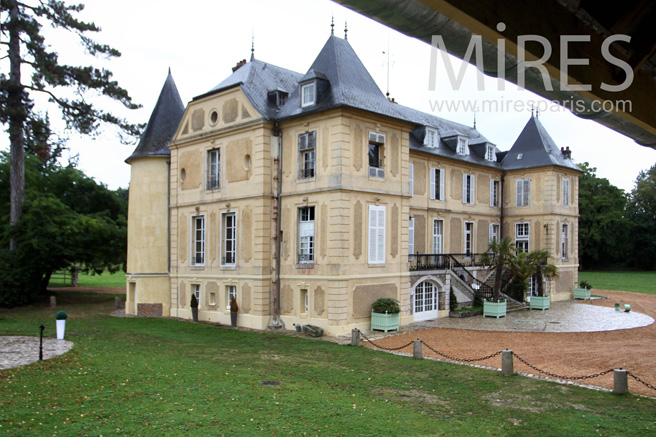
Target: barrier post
<point>355,337</point>
<point>621,381</point>
<point>53,302</point>
<point>417,350</point>
<point>507,367</point>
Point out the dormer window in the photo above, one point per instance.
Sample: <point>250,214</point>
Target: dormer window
<point>430,140</point>
<point>278,97</point>
<point>490,153</point>
<point>463,146</point>
<point>308,94</point>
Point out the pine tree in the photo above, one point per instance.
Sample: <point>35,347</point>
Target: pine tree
<point>25,47</point>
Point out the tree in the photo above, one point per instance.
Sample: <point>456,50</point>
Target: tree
<point>641,211</point>
<point>603,227</point>
<point>501,255</point>
<point>67,219</point>
<point>26,47</point>
<point>538,263</point>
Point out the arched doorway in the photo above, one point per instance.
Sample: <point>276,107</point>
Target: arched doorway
<point>425,301</point>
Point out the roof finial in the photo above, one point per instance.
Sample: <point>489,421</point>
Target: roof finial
<point>332,25</point>
<point>537,112</point>
<point>531,110</point>
<point>345,30</point>
<point>475,117</point>
<point>253,44</point>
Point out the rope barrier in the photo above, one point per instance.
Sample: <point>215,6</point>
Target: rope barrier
<point>522,360</point>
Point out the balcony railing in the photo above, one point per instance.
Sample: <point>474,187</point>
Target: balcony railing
<point>419,262</point>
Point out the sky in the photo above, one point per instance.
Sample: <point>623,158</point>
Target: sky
<point>200,41</point>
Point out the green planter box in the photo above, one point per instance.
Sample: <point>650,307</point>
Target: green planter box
<point>384,322</point>
<point>540,303</point>
<point>494,309</point>
<point>581,293</point>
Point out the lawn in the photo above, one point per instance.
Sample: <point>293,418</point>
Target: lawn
<point>639,282</point>
<point>89,280</point>
<point>162,376</point>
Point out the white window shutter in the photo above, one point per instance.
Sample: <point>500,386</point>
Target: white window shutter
<point>442,184</point>
<point>381,235</point>
<point>432,183</point>
<point>473,190</point>
<point>464,188</point>
<point>491,192</point>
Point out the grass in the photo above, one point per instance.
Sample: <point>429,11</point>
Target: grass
<point>638,282</point>
<point>162,376</point>
<point>89,280</point>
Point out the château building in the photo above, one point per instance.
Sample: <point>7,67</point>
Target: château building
<point>309,196</point>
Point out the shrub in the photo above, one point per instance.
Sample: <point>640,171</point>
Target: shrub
<point>453,299</point>
<point>585,284</point>
<point>194,301</point>
<point>61,315</point>
<point>233,305</point>
<point>386,305</point>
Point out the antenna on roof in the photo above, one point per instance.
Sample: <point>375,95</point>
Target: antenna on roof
<point>345,31</point>
<point>332,25</point>
<point>253,42</point>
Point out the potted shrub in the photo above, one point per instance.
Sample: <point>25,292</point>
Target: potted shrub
<point>60,318</point>
<point>234,309</point>
<point>385,314</point>
<point>582,292</point>
<point>501,255</point>
<point>538,260</point>
<point>194,308</point>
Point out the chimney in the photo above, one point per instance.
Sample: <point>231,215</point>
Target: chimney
<point>567,154</point>
<point>239,65</point>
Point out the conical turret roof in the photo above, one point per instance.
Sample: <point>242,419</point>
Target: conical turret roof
<point>163,123</point>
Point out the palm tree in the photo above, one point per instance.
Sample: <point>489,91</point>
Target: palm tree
<point>500,254</point>
<point>538,260</point>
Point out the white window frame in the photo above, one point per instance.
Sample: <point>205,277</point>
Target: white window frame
<point>468,189</point>
<point>308,94</point>
<point>305,301</point>
<point>565,184</point>
<point>564,240</point>
<point>494,231</point>
<point>306,235</point>
<point>212,298</point>
<point>198,240</point>
<point>214,169</point>
<point>532,286</point>
<point>378,141</point>
<point>411,237</point>
<point>376,246</point>
<point>228,254</point>
<point>307,145</point>
<point>438,236</point>
<point>411,178</point>
<point>435,189</point>
<point>523,192</point>
<point>495,185</point>
<point>431,138</point>
<point>231,290</point>
<point>523,235</point>
<point>490,153</point>
<point>468,239</point>
<point>463,146</point>
<point>197,293</point>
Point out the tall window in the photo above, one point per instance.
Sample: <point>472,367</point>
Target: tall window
<point>308,94</point>
<point>494,232</point>
<point>565,191</point>
<point>305,301</point>
<point>564,241</point>
<point>431,138</point>
<point>523,192</point>
<point>522,236</point>
<point>231,291</point>
<point>533,286</point>
<point>411,237</point>
<point>213,169</point>
<point>411,179</point>
<point>229,246</point>
<point>438,236</point>
<point>197,292</point>
<point>376,234</point>
<point>306,235</point>
<point>437,183</point>
<point>198,240</point>
<point>376,144</point>
<point>306,154</point>
<point>468,184</point>
<point>469,238</point>
<point>463,146</point>
<point>494,192</point>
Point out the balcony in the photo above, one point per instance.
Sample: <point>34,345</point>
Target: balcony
<point>423,262</point>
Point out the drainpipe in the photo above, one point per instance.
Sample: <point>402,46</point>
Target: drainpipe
<point>501,188</point>
<point>275,322</point>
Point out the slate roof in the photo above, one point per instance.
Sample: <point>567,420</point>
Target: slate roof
<point>164,121</point>
<point>535,148</point>
<point>256,79</point>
